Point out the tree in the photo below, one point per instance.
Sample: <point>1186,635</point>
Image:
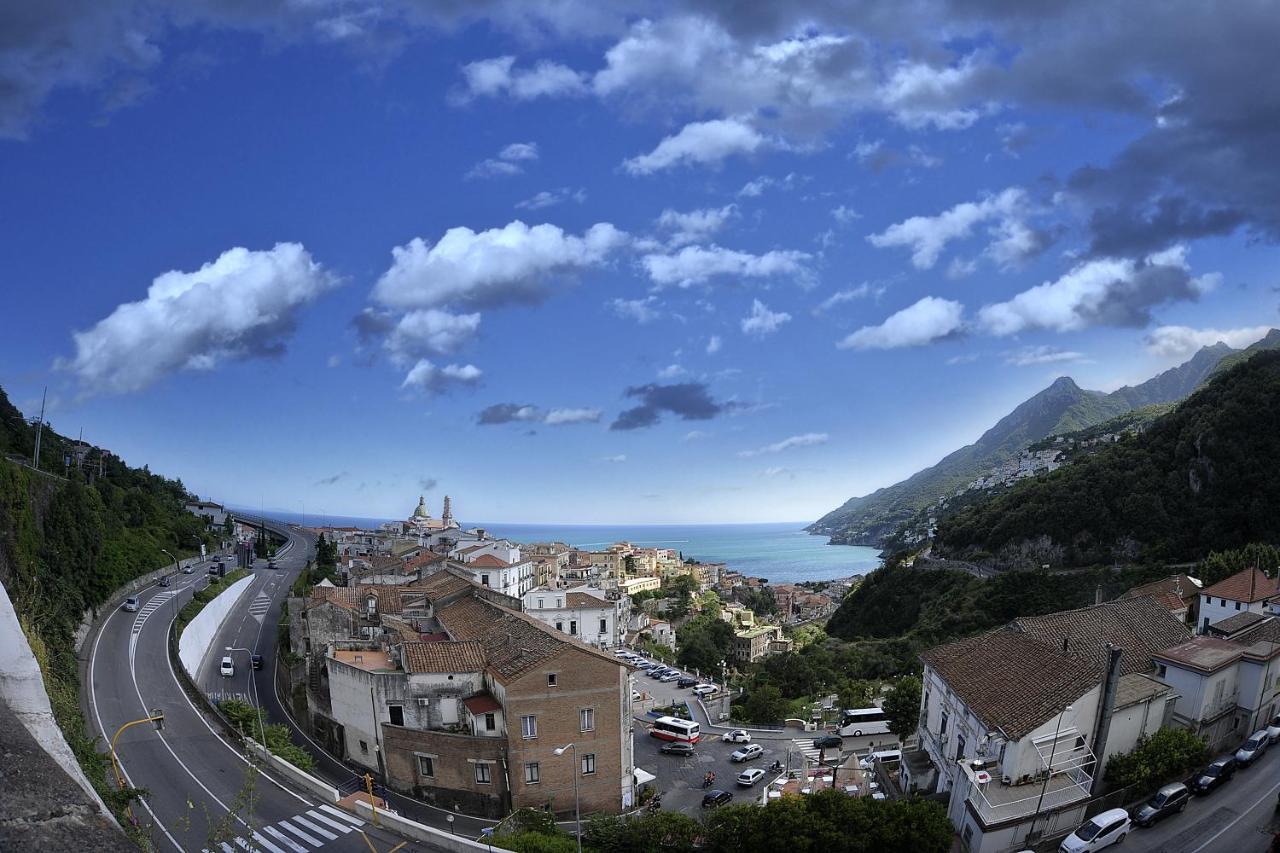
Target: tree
<point>228,526</point>
<point>902,706</point>
<point>1223,564</point>
<point>764,705</point>
<point>856,693</point>
<point>1166,755</point>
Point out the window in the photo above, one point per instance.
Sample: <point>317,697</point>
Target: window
<point>531,774</point>
<point>960,748</point>
<point>1080,742</point>
<point>484,580</point>
<point>490,722</point>
<point>587,719</point>
<point>1237,605</point>
<point>364,748</point>
<point>559,602</point>
<point>559,625</point>
<point>371,606</point>
<point>943,729</point>
<point>551,679</point>
<point>604,626</point>
<point>484,774</point>
<point>529,726</point>
<point>573,627</point>
<point>1161,670</point>
<point>426,765</point>
<point>588,764</point>
<point>542,602</point>
<point>396,712</point>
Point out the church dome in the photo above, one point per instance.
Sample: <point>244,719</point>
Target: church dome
<point>421,510</point>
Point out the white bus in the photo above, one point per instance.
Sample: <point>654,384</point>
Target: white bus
<point>864,721</point>
<point>674,728</point>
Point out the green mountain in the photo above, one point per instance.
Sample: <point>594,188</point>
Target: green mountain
<point>1063,407</point>
<point>1200,478</point>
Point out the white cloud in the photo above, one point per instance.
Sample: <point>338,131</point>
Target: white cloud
<point>862,291</point>
<point>925,321</point>
<point>1182,341</point>
<point>778,471</point>
<point>927,236</point>
<point>430,379</point>
<point>550,198</point>
<point>919,95</point>
<point>845,214</point>
<point>672,371</point>
<point>762,321</point>
<point>695,226</point>
<point>1104,291</point>
<point>1028,356</point>
<point>696,435</point>
<point>499,76</point>
<point>430,331</point>
<point>713,344</point>
<point>507,162</point>
<point>641,310</point>
<point>509,264</point>
<point>756,187</point>
<point>966,358</point>
<point>334,360</point>
<point>808,439</point>
<point>699,143</point>
<point>621,457</point>
<point>560,417</point>
<point>695,264</point>
<point>243,305</point>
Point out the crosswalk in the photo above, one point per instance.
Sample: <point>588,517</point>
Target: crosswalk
<point>299,834</point>
<point>811,752</point>
<point>259,606</point>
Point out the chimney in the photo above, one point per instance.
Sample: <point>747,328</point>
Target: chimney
<point>1097,595</point>
<point>1066,645</point>
<point>1108,707</point>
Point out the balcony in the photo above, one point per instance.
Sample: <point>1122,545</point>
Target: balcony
<point>996,803</point>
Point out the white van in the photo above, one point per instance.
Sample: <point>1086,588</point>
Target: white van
<point>879,757</point>
<point>228,669</point>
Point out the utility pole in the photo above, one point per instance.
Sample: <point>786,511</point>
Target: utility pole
<point>35,459</point>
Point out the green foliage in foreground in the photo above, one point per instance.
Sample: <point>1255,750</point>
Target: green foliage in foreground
<point>1166,756</point>
<point>251,725</point>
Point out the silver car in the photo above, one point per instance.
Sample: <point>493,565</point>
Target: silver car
<point>1252,749</point>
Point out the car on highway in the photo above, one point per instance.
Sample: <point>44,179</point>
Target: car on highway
<point>1252,749</point>
<point>1273,728</point>
<point>227,668</point>
<point>685,681</point>
<point>256,661</point>
<point>1101,830</point>
<point>271,564</point>
<point>747,778</point>
<point>828,742</point>
<point>131,604</point>
<point>736,736</point>
<point>705,689</point>
<point>1217,774</point>
<point>716,797</point>
<point>164,581</point>
<point>677,748</point>
<point>186,570</point>
<point>1170,799</point>
<point>746,753</point>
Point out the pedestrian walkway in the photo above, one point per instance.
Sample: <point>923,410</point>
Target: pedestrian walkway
<point>298,834</point>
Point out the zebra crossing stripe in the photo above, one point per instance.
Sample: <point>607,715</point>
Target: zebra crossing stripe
<point>329,822</point>
<point>243,845</point>
<point>284,839</point>
<point>226,848</point>
<point>354,821</point>
<point>267,845</point>
<point>310,839</point>
<point>313,827</point>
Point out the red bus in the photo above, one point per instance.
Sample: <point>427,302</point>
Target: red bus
<point>674,728</point>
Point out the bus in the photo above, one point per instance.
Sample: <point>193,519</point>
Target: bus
<point>674,728</point>
<point>864,721</point>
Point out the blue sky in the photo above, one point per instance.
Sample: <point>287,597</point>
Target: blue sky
<point>614,262</point>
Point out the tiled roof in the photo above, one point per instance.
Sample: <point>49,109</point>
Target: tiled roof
<point>582,599</point>
<point>1248,586</point>
<point>443,584</point>
<point>466,656</point>
<point>353,597</point>
<point>490,561</point>
<point>1232,624</point>
<point>1267,630</point>
<point>1203,653</point>
<point>482,703</point>
<point>1135,688</point>
<point>1010,680</point>
<point>1174,592</point>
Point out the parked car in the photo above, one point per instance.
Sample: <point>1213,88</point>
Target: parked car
<point>1273,728</point>
<point>736,736</point>
<point>1217,774</point>
<point>747,778</point>
<point>668,676</point>
<point>704,689</point>
<point>686,681</point>
<point>1101,830</point>
<point>677,748</point>
<point>746,753</point>
<point>621,653</point>
<point>635,695</point>
<point>1252,749</point>
<point>828,742</point>
<point>716,797</point>
<point>256,661</point>
<point>1170,799</point>
<point>131,604</point>
<point>227,668</point>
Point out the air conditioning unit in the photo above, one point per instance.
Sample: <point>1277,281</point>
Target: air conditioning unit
<point>422,703</point>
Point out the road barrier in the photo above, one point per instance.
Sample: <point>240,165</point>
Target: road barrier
<point>196,638</point>
<point>420,832</point>
<point>301,778</point>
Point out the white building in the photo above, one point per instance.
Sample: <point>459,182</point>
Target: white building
<point>584,612</point>
<point>497,565</point>
<point>1250,591</point>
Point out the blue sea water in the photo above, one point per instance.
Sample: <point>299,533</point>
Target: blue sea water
<point>781,552</point>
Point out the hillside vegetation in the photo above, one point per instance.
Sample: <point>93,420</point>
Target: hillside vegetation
<point>1200,478</point>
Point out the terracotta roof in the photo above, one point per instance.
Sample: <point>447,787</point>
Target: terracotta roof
<point>1176,592</point>
<point>582,599</point>
<point>1203,653</point>
<point>1267,630</point>
<point>1009,679</point>
<point>1232,624</point>
<point>482,703</point>
<point>443,657</point>
<point>424,559</point>
<point>1248,586</point>
<point>353,597</point>
<point>490,561</point>
<point>443,583</point>
<point>1135,688</point>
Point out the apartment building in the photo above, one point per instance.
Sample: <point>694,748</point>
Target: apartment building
<point>594,616</point>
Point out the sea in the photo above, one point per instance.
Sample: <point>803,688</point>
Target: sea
<point>779,552</point>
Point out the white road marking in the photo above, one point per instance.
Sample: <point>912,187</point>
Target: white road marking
<point>284,839</point>
<point>310,839</point>
<point>257,836</point>
<point>242,844</point>
<point>330,822</point>
<point>318,830</point>
<point>355,821</point>
<point>226,848</point>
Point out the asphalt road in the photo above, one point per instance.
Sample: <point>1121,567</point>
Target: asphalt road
<point>201,792</point>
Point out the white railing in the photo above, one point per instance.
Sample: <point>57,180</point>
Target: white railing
<point>992,813</point>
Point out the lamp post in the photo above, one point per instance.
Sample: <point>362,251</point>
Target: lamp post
<point>156,716</point>
<point>1052,753</point>
<point>577,809</point>
<point>253,687</point>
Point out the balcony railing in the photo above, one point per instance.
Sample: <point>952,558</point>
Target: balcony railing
<point>997,803</point>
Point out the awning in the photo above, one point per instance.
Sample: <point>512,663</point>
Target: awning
<point>642,776</point>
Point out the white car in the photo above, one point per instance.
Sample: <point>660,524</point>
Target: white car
<point>227,669</point>
<point>747,778</point>
<point>748,752</point>
<point>704,689</point>
<point>131,604</point>
<point>1273,728</point>
<point>1101,830</point>
<point>736,736</point>
<point>881,756</point>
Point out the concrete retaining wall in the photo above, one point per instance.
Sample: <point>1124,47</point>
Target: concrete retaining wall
<point>117,597</point>
<point>437,838</point>
<point>200,631</point>
<point>299,777</point>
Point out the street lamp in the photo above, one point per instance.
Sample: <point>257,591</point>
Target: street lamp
<point>577,808</point>
<point>253,686</point>
<point>171,557</point>
<point>1049,775</point>
<point>156,716</point>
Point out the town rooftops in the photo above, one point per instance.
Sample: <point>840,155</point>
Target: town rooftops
<point>489,561</point>
<point>482,703</point>
<point>1206,654</point>
<point>1135,688</point>
<point>583,599</point>
<point>1175,592</point>
<point>1248,586</point>
<point>1235,624</point>
<point>465,656</point>
<point>370,660</point>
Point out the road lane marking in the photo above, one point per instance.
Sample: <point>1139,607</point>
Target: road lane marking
<point>355,821</point>
<point>244,845</point>
<point>286,840</point>
<point>329,822</point>
<point>310,839</point>
<point>318,830</point>
<point>1268,795</point>
<point>257,836</point>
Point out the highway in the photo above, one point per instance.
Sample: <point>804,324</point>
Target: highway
<point>201,792</point>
